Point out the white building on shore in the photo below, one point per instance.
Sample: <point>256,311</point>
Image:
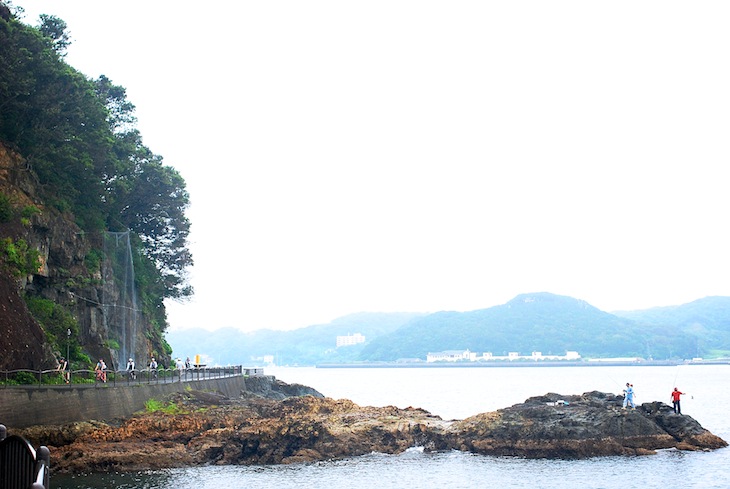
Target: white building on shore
<point>469,356</point>
<point>452,356</point>
<point>350,339</point>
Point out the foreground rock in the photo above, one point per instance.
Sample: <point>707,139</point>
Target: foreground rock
<point>202,428</point>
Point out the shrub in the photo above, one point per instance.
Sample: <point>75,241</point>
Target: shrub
<point>26,378</point>
<point>29,211</point>
<point>19,257</point>
<point>92,260</point>
<point>153,405</point>
<point>56,321</point>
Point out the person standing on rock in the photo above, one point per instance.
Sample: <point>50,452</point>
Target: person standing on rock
<point>629,396</point>
<point>675,401</point>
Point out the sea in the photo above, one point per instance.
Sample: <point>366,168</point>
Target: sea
<point>457,393</point>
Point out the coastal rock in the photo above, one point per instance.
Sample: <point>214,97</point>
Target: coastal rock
<point>251,432</point>
<point>589,425</point>
<point>200,429</point>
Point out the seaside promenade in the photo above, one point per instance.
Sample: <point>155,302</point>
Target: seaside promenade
<point>86,398</point>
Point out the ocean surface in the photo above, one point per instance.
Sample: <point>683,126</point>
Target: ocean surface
<point>456,393</point>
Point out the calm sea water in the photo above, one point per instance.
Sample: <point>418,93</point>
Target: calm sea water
<point>456,393</point>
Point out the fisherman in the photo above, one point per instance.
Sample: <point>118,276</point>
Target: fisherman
<point>675,401</point>
<point>629,396</point>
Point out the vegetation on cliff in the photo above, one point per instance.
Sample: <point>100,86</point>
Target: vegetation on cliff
<point>83,158</point>
<point>79,139</point>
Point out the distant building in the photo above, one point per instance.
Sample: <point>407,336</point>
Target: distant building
<point>466,355</point>
<point>350,339</point>
<point>451,356</point>
<point>535,356</point>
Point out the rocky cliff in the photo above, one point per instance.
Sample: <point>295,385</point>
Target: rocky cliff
<point>199,428</point>
<point>91,291</point>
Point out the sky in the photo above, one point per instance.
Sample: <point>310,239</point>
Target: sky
<point>421,156</point>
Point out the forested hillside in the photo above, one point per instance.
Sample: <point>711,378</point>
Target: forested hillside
<point>548,323</point>
<point>543,322</point>
<point>77,167</point>
<point>706,321</point>
<point>304,346</point>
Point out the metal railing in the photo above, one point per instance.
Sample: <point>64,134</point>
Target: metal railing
<point>92,378</point>
<point>21,467</point>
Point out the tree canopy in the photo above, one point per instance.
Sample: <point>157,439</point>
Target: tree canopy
<point>79,139</point>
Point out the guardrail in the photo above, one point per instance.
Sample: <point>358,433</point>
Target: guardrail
<point>91,378</point>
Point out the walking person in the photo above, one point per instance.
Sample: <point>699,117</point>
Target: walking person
<point>675,401</point>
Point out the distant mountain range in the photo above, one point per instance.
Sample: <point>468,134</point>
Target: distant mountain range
<point>544,322</point>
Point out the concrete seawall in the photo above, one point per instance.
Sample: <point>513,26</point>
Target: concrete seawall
<point>24,407</point>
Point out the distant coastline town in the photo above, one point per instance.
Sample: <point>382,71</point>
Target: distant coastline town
<point>470,356</point>
<point>467,357</point>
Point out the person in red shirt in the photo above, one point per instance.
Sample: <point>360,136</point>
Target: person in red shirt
<point>675,401</point>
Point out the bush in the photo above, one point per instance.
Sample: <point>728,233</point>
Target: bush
<point>29,211</point>
<point>25,378</point>
<point>153,405</point>
<point>56,321</point>
<point>92,260</point>
<point>19,257</point>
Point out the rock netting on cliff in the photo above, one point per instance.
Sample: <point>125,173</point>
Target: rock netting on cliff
<point>208,428</point>
<point>63,278</point>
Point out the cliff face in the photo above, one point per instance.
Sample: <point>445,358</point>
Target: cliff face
<point>93,293</point>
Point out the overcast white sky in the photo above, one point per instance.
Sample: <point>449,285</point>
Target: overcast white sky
<point>347,156</point>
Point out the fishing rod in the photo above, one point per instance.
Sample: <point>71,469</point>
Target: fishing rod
<point>674,384</point>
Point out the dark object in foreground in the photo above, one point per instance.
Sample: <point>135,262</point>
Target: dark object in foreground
<point>20,466</point>
<point>210,429</point>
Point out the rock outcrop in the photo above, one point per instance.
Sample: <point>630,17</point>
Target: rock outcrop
<point>589,425</point>
<point>199,428</point>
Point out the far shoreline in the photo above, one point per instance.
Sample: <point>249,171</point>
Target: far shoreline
<point>594,363</point>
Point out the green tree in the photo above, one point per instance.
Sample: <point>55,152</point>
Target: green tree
<point>79,139</point>
<point>54,29</point>
<point>156,212</point>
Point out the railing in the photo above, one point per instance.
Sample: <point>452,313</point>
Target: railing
<point>91,378</point>
<point>21,467</point>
